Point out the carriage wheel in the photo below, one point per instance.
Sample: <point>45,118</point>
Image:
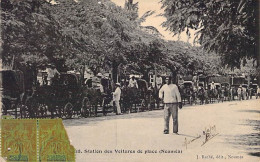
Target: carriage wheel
<point>43,110</point>
<point>23,111</point>
<point>18,109</point>
<point>85,107</point>
<point>3,109</point>
<point>143,105</point>
<point>68,110</point>
<point>32,106</point>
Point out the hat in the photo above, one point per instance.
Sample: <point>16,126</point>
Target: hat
<point>117,84</point>
<point>99,75</point>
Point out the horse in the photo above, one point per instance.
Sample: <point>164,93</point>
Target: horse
<point>213,95</point>
<point>201,95</point>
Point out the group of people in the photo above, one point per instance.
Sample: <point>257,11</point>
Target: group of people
<point>117,93</point>
<point>96,83</point>
<point>220,93</point>
<point>169,93</point>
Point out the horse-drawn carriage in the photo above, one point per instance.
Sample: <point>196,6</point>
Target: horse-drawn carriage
<point>99,93</point>
<point>12,91</point>
<point>142,98</point>
<point>68,95</point>
<point>65,97</point>
<point>186,91</point>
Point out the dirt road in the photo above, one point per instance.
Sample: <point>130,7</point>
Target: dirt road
<point>232,130</point>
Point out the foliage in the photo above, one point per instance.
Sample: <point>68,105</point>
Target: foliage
<point>30,34</point>
<point>88,32</point>
<point>103,30</point>
<point>227,27</point>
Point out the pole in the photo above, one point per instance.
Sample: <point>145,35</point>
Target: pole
<point>155,76</point>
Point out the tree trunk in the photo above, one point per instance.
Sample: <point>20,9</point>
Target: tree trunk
<point>82,73</point>
<point>174,76</point>
<point>114,71</point>
<point>146,75</point>
<point>257,43</point>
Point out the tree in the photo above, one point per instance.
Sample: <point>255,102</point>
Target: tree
<point>228,27</point>
<point>30,34</point>
<point>104,32</point>
<point>88,33</point>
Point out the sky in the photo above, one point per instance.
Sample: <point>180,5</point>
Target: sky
<point>154,20</point>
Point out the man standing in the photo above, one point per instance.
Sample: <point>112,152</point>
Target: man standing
<point>133,83</point>
<point>239,92</point>
<point>195,80</point>
<point>172,99</point>
<point>51,73</point>
<point>212,86</point>
<point>258,92</point>
<point>181,81</point>
<point>158,81</point>
<point>116,98</point>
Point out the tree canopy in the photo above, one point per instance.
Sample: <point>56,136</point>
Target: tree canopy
<point>28,32</point>
<point>227,27</point>
<point>97,34</point>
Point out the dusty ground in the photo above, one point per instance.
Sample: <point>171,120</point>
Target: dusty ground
<point>234,135</point>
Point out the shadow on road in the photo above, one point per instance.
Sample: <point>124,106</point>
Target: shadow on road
<point>250,142</point>
<point>187,135</point>
<point>95,120</point>
<point>250,111</point>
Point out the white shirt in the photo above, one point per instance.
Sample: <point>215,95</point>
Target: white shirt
<point>212,86</point>
<point>52,72</point>
<point>258,90</point>
<point>170,93</point>
<point>244,89</point>
<point>159,81</point>
<point>100,87</point>
<point>181,81</point>
<point>133,83</point>
<point>195,79</point>
<point>117,94</point>
<point>239,90</point>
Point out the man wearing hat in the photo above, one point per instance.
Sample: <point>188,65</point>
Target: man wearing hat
<point>51,73</point>
<point>116,98</point>
<point>212,85</point>
<point>133,83</point>
<point>222,93</point>
<point>195,79</point>
<point>258,92</point>
<point>158,81</point>
<point>180,81</point>
<point>239,92</point>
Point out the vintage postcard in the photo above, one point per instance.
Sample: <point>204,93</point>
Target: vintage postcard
<point>130,80</point>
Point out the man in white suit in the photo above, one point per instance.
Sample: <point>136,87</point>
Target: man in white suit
<point>116,98</point>
<point>172,100</point>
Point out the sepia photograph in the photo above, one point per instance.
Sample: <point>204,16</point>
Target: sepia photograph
<point>129,80</point>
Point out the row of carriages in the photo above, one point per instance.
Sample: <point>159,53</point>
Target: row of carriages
<point>67,97</point>
<point>226,89</point>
